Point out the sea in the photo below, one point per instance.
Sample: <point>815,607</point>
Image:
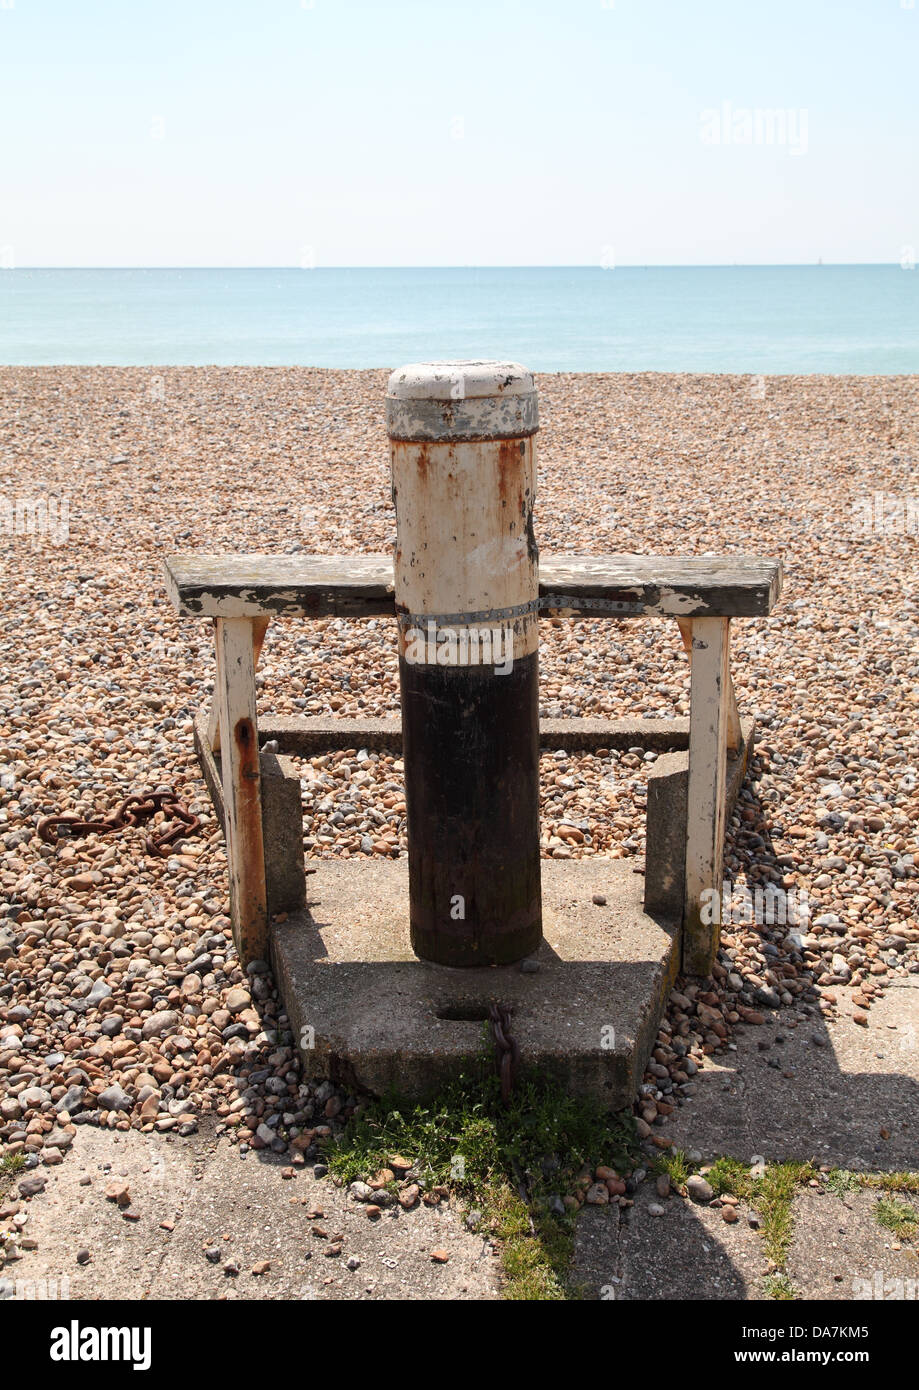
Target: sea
<point>741,319</point>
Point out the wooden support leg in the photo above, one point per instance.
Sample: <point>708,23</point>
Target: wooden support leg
<point>259,628</point>
<point>734,733</point>
<point>240,776</point>
<point>685,626</point>
<point>708,731</point>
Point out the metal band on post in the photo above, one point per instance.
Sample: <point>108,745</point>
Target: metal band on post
<point>464,482</point>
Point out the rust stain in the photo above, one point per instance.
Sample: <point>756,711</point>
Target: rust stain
<point>422,462</point>
<point>248,852</point>
<point>508,467</point>
<point>247,744</point>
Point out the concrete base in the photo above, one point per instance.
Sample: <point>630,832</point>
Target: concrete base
<point>383,1019</point>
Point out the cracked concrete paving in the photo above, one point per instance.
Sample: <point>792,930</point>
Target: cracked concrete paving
<point>839,1246</point>
<point>838,1251</point>
<point>850,1101</point>
<point>245,1209</point>
<point>840,1096</point>
<point>687,1253</point>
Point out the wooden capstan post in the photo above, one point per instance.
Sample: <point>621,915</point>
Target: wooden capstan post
<point>467,594</point>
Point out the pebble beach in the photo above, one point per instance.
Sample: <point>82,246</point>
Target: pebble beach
<point>121,1000</point>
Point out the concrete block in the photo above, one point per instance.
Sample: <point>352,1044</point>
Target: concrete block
<point>667,819</point>
<point>282,832</point>
<point>665,837</point>
<point>370,1015</point>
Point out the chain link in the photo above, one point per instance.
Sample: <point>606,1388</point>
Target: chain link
<point>507,1050</point>
<point>135,810</point>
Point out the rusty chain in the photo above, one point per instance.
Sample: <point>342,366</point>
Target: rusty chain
<point>507,1050</point>
<point>134,810</point>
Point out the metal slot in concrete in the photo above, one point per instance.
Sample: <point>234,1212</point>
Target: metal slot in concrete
<point>463,1013</point>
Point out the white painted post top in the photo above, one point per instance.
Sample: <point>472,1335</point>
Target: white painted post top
<point>461,400</point>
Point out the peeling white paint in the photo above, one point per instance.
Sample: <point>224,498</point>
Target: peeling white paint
<point>465,504</point>
<point>363,585</point>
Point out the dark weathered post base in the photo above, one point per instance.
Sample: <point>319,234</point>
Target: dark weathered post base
<point>471,749</point>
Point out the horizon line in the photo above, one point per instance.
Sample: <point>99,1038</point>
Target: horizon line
<point>585,265</point>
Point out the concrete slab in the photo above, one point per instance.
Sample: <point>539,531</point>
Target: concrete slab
<point>686,1253</point>
<point>191,1196</point>
<point>798,1087</point>
<point>380,1018</point>
<point>840,1250</point>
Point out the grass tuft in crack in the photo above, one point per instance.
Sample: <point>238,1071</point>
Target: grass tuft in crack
<point>772,1195</point>
<point>10,1165</point>
<point>504,1163</point>
<point>676,1165</point>
<point>896,1216</point>
<point>780,1287</point>
<point>891,1182</point>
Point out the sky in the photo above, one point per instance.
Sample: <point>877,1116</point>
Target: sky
<point>415,132</point>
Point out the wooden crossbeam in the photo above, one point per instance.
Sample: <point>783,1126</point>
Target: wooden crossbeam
<point>356,586</point>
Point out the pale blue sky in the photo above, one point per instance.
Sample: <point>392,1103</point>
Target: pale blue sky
<point>522,132</point>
